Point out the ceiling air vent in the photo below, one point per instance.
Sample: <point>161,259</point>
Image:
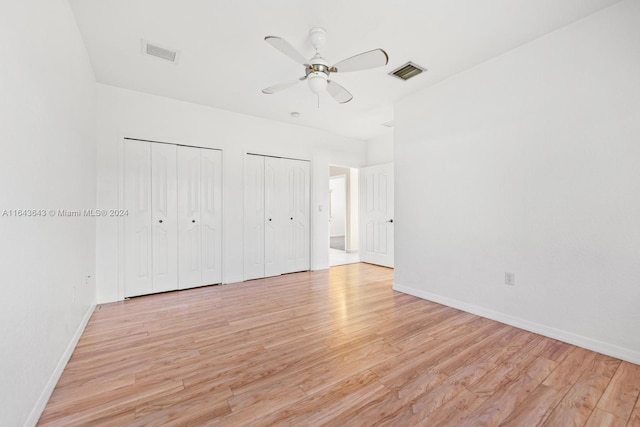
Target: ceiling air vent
<point>153,49</point>
<point>407,71</point>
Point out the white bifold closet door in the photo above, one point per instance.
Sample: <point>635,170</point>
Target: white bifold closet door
<point>172,235</point>
<point>164,237</point>
<point>151,226</point>
<point>277,217</point>
<point>254,217</point>
<point>199,217</point>
<point>295,201</point>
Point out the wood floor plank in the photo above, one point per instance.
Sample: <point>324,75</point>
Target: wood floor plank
<point>622,393</point>
<point>570,369</point>
<point>634,419</point>
<point>505,400</point>
<point>455,409</point>
<point>330,405</point>
<point>81,409</point>
<point>337,347</point>
<point>535,408</point>
<point>600,418</point>
<point>576,406</point>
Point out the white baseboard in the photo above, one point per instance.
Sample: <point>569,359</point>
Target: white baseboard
<point>233,279</point>
<point>609,349</point>
<point>36,412</point>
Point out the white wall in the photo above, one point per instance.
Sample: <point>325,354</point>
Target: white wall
<point>47,161</point>
<point>380,149</point>
<point>530,163</point>
<point>354,210</point>
<point>338,214</point>
<point>352,205</point>
<point>123,113</point>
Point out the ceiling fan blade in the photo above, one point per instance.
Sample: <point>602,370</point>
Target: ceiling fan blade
<point>371,59</point>
<point>281,86</point>
<point>340,94</point>
<point>285,47</point>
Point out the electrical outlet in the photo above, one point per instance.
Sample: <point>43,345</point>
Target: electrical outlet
<point>509,278</point>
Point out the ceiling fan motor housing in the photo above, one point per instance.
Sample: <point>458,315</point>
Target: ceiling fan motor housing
<point>317,37</point>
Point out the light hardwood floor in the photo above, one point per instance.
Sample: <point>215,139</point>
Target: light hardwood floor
<point>336,347</point>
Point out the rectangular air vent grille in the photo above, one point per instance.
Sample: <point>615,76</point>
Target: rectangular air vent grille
<point>407,71</point>
<point>153,49</point>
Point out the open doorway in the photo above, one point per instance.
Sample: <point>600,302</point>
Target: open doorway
<point>343,215</point>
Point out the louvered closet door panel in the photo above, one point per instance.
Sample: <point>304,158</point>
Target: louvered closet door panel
<point>211,185</point>
<point>138,276</point>
<point>274,218</point>
<point>164,218</point>
<point>254,217</point>
<point>189,218</point>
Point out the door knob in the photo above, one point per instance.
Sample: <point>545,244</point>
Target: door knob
<point>160,221</point>
<point>291,218</point>
<point>391,220</point>
<point>269,219</point>
<point>193,221</point>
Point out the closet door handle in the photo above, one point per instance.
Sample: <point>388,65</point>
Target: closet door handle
<point>291,218</point>
<point>160,221</point>
<point>269,219</point>
<point>193,221</point>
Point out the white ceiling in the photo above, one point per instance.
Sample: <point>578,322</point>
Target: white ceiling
<point>225,62</point>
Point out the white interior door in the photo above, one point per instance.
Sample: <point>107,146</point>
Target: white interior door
<point>189,218</point>
<point>211,185</point>
<point>164,217</point>
<point>138,275</point>
<point>274,217</point>
<point>287,203</point>
<point>376,222</point>
<point>298,214</point>
<point>287,214</point>
<point>254,217</point>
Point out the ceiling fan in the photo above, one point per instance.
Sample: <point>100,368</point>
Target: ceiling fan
<point>317,69</point>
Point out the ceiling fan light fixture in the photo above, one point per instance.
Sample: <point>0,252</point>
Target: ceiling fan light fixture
<point>317,82</point>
